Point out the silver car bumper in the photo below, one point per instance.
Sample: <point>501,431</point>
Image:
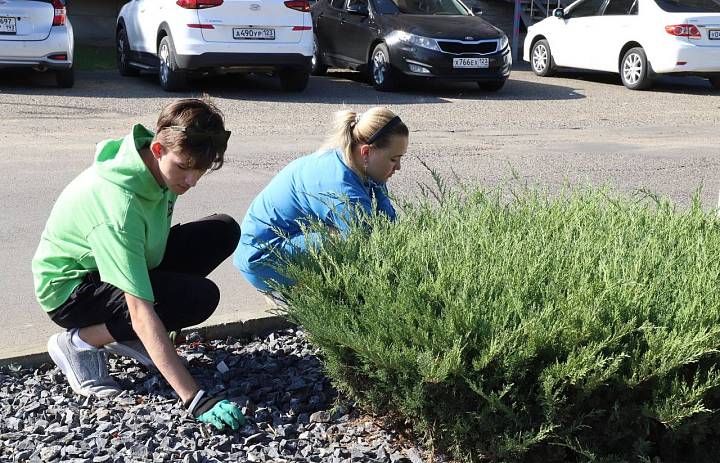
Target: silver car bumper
<point>37,53</point>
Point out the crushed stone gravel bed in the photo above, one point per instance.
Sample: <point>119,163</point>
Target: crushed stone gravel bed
<point>293,412</point>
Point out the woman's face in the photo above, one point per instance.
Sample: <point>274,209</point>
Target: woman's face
<point>381,163</point>
<point>176,170</point>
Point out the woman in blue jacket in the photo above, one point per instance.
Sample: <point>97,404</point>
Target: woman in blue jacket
<point>329,186</point>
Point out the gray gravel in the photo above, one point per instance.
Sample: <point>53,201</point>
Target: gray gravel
<point>294,413</point>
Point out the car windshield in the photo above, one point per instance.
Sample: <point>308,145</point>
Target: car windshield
<point>429,7</point>
<point>689,6</point>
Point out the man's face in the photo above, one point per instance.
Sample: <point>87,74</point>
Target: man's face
<point>176,169</point>
<point>382,163</point>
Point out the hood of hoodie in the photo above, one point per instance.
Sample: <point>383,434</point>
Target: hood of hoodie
<point>119,162</point>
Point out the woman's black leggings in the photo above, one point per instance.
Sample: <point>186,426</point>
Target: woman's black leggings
<point>183,295</point>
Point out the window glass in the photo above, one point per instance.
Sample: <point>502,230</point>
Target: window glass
<point>432,7</point>
<point>339,4</point>
<point>384,6</point>
<point>586,8</point>
<point>362,3</point>
<point>689,6</point>
<point>619,7</point>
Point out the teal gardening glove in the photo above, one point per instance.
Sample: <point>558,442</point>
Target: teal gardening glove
<point>219,413</point>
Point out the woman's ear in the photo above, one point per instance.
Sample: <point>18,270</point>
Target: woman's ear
<point>365,152</point>
<point>157,149</point>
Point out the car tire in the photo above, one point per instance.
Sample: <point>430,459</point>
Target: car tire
<point>491,85</point>
<point>383,76</point>
<point>635,70</point>
<point>123,54</point>
<point>294,80</point>
<point>715,82</point>
<point>318,67</point>
<point>172,78</point>
<point>65,78</point>
<point>541,59</point>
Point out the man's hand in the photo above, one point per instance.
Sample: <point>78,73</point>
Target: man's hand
<point>218,413</point>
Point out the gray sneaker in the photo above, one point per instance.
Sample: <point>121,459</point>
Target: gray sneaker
<point>133,349</point>
<point>85,369</point>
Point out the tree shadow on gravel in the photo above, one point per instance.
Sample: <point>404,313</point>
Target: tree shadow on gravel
<point>341,87</point>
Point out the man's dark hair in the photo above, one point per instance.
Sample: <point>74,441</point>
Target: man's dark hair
<point>196,128</point>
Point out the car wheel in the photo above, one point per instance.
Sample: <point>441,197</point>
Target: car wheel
<point>172,78</point>
<point>383,75</point>
<point>123,55</point>
<point>65,78</point>
<point>715,82</point>
<point>492,85</point>
<point>318,67</point>
<point>634,70</point>
<point>542,61</point>
<point>293,79</point>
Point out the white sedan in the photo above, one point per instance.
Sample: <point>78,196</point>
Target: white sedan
<point>636,38</point>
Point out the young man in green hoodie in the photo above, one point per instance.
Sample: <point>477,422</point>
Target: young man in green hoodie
<point>111,270</point>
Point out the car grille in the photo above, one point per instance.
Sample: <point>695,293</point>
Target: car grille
<point>458,48</point>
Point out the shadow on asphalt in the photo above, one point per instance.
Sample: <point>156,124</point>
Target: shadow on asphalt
<point>337,87</point>
<point>684,85</point>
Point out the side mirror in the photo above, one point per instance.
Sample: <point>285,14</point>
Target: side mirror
<point>559,13</point>
<point>357,8</point>
<point>476,10</point>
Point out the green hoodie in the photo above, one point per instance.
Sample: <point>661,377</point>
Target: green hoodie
<point>113,218</point>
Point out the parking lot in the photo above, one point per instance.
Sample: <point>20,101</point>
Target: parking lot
<point>576,127</point>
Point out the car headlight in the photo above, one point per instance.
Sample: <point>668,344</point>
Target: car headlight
<point>412,39</point>
<point>504,42</point>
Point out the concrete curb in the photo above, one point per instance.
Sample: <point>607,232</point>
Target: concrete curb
<point>246,329</point>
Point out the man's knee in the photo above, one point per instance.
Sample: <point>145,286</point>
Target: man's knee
<point>229,231</point>
<point>208,298</point>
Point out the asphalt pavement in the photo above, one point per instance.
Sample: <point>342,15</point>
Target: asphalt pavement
<point>577,127</point>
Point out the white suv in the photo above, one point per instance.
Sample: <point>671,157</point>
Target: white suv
<point>37,34</point>
<point>635,38</point>
<point>178,37</point>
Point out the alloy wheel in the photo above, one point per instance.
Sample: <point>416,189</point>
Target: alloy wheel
<point>164,67</point>
<point>121,50</point>
<point>540,58</point>
<point>379,67</point>
<point>632,68</point>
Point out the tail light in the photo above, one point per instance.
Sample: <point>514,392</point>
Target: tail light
<point>60,13</point>
<point>198,4</point>
<point>684,30</point>
<point>299,5</point>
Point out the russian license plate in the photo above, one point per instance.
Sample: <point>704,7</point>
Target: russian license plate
<point>714,34</point>
<point>471,62</point>
<point>253,33</point>
<point>7,25</point>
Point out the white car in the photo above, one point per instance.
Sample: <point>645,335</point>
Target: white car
<point>37,34</point>
<point>178,37</point>
<point>636,38</point>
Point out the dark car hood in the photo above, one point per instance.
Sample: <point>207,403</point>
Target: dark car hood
<point>443,27</point>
